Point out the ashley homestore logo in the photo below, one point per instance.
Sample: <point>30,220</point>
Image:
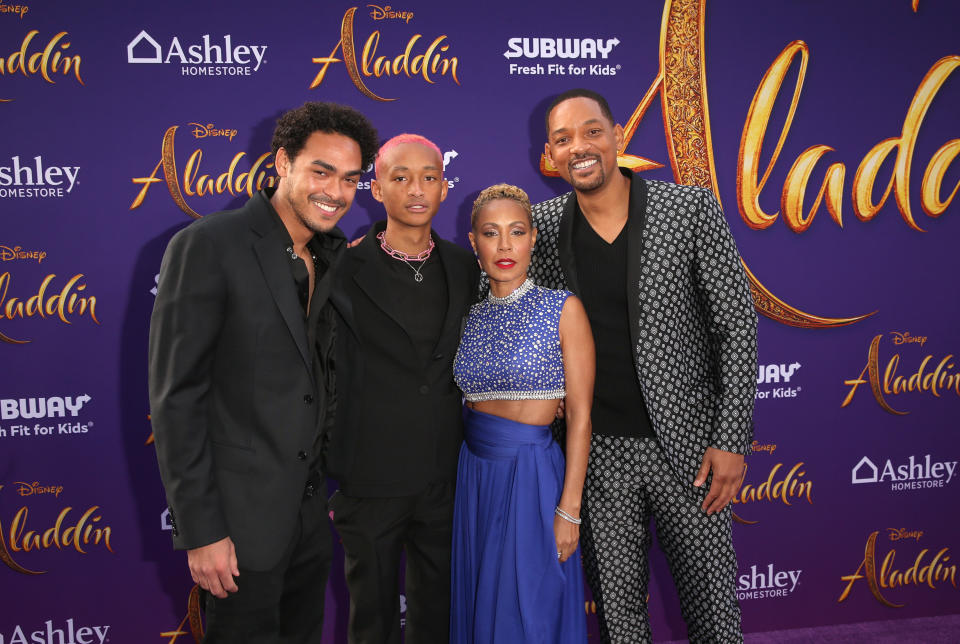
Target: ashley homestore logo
<point>208,57</point>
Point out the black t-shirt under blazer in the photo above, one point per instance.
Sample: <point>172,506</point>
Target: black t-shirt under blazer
<point>398,421</point>
<point>618,406</point>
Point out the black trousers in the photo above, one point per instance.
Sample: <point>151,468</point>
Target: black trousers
<point>374,531</point>
<point>284,604</point>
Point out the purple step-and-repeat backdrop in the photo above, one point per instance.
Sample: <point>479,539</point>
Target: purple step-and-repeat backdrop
<point>828,129</point>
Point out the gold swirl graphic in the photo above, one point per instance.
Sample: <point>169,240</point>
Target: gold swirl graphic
<point>170,172</point>
<point>681,82</point>
<point>686,119</point>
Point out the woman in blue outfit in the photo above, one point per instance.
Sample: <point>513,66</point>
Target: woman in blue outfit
<point>516,574</point>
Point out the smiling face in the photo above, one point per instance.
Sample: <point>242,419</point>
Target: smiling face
<point>317,186</point>
<point>503,239</point>
<point>410,185</point>
<point>582,144</point>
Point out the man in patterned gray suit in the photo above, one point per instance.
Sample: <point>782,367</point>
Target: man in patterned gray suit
<point>675,331</point>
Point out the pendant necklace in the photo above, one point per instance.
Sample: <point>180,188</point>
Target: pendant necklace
<point>405,257</point>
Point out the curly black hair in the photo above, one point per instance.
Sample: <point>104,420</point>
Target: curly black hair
<point>295,127</point>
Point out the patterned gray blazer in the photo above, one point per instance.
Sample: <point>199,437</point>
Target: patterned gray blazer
<point>692,321</point>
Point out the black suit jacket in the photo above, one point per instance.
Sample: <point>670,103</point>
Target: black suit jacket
<point>235,402</point>
<point>398,423</point>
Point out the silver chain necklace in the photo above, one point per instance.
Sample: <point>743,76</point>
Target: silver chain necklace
<point>417,277</point>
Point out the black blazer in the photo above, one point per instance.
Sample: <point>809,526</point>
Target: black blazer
<point>398,421</point>
<point>235,402</point>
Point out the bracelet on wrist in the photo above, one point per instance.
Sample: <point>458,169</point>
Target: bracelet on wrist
<point>567,517</point>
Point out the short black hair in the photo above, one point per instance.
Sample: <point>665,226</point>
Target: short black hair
<point>579,93</point>
<point>295,127</point>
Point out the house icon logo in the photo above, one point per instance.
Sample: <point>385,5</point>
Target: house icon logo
<point>864,472</point>
<point>147,46</point>
<point>165,520</point>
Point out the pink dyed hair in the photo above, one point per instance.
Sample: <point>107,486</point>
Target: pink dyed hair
<point>400,139</point>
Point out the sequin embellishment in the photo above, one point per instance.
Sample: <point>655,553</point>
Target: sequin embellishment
<point>510,348</point>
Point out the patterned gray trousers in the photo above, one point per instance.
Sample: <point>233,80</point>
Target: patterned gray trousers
<point>629,481</point>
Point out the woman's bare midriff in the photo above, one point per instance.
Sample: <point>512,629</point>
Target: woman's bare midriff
<point>531,412</point>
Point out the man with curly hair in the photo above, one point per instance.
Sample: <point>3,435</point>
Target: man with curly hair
<point>241,388</point>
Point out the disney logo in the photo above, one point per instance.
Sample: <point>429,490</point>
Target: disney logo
<point>770,448</point>
<point>385,13</point>
<point>203,131</point>
<point>906,338</point>
<point>898,534</point>
<point>31,489</point>
<point>8,254</point>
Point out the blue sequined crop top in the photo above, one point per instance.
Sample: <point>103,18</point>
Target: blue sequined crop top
<point>510,348</point>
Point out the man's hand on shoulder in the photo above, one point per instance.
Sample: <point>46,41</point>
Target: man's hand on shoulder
<point>214,566</point>
<point>727,475</point>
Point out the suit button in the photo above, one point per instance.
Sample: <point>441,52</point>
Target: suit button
<point>439,356</point>
<point>301,455</point>
<point>424,389</point>
<point>308,399</point>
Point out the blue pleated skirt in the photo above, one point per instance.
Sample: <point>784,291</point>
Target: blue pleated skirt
<point>507,584</point>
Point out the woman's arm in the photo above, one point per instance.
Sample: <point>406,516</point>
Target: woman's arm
<point>576,342</point>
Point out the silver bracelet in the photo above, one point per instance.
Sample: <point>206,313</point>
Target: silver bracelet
<point>566,517</point>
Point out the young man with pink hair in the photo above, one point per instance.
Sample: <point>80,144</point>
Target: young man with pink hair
<point>400,298</point>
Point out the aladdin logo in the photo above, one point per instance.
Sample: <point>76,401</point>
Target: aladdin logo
<point>894,153</point>
<point>36,179</point>
<point>16,9</point>
<point>8,254</point>
<point>203,131</point>
<point>427,65</point>
<point>785,488</point>
<point>46,59</point>
<point>762,584</point>
<point>50,634</point>
<point>64,305</point>
<point>202,59</point>
<point>387,13</point>
<point>194,184</point>
<point>70,531</point>
<point>928,569</point>
<point>932,376</point>
<point>560,47</point>
<point>914,474</point>
<point>191,624</point>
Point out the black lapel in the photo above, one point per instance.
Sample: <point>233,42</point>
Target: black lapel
<point>454,271</point>
<point>371,281</point>
<point>276,271</point>
<point>636,225</point>
<point>568,262</point>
